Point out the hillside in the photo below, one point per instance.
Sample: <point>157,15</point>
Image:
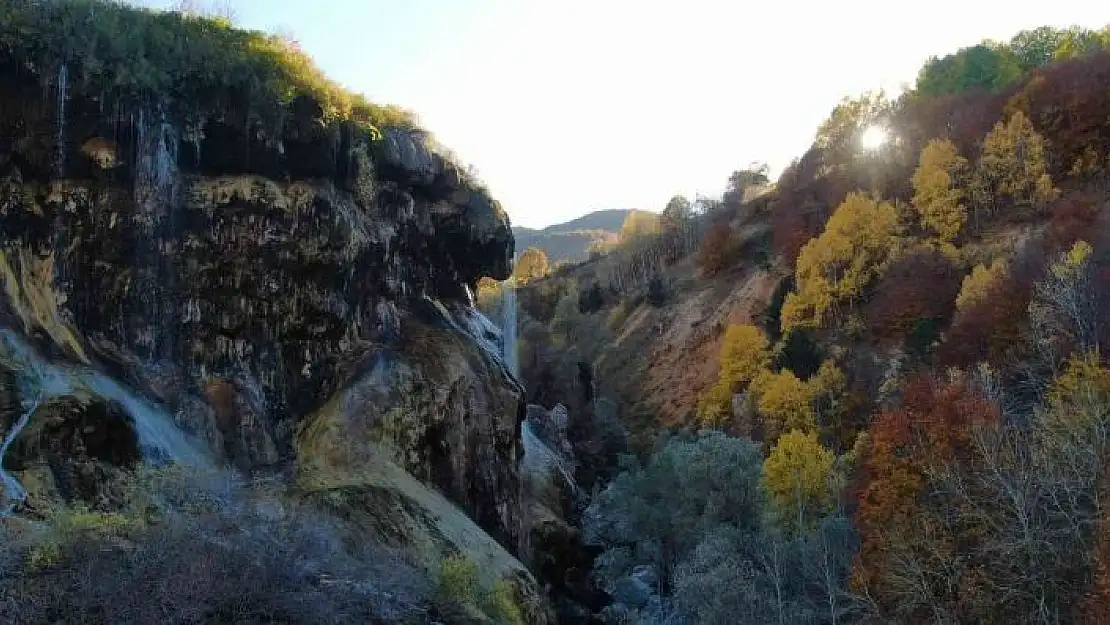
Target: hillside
<point>906,346</point>
<point>573,240</point>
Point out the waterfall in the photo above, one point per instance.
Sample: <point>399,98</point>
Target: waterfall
<point>62,95</point>
<point>159,439</point>
<point>508,326</point>
<point>158,198</point>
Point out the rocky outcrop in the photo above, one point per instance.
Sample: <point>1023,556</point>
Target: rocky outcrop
<point>243,280</point>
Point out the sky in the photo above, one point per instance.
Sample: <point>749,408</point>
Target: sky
<point>569,106</point>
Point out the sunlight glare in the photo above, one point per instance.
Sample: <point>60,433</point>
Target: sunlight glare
<point>873,137</point>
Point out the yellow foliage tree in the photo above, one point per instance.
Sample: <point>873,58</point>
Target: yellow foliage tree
<point>835,267</point>
<point>938,196</point>
<point>796,476</point>
<point>1077,400</point>
<point>745,354</point>
<point>640,223</point>
<point>784,403</point>
<point>531,265</point>
<point>978,283</point>
<point>1013,164</point>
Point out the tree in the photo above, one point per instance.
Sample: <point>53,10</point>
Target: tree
<point>797,475</point>
<point>745,354</point>
<point>986,66</point>
<point>1036,48</point>
<point>838,136</point>
<point>909,561</point>
<point>677,212</point>
<point>1062,313</point>
<point>938,193</point>
<point>532,265</point>
<point>785,403</point>
<point>717,250</point>
<point>976,286</point>
<point>1076,42</point>
<point>657,512</point>
<point>920,285</point>
<point>1013,165</point>
<point>741,181</point>
<point>834,268</point>
<point>639,223</point>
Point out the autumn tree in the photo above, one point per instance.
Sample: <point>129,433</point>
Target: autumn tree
<point>717,249</point>
<point>744,355</point>
<point>638,224</point>
<point>918,287</point>
<point>976,285</point>
<point>797,475</point>
<point>908,561</point>
<point>784,403</point>
<point>1077,41</point>
<point>838,136</point>
<point>1013,166</point>
<point>992,321</point>
<point>834,268</point>
<point>532,265</point>
<point>938,189</point>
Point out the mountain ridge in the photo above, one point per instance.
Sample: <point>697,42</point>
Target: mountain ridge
<point>572,240</point>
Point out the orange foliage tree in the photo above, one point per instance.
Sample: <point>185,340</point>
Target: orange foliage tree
<point>895,517</point>
<point>1068,101</point>
<point>717,250</point>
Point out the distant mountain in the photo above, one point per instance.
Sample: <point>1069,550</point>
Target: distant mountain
<point>571,240</point>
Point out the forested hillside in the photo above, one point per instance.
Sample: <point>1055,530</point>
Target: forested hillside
<point>896,359</point>
<point>577,239</point>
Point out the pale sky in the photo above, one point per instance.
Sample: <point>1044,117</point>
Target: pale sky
<point>568,106</point>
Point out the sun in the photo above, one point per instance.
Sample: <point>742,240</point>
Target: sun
<point>873,137</point>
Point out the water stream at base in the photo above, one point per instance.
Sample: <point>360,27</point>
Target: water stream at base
<point>160,441</point>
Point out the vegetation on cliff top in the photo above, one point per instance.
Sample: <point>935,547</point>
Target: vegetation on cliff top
<point>201,63</point>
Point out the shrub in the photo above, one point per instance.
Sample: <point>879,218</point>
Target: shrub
<point>459,585</point>
<point>657,512</point>
<point>591,299</point>
<point>503,605</point>
<point>226,568</point>
<point>657,292</point>
<point>458,581</point>
<point>618,315</point>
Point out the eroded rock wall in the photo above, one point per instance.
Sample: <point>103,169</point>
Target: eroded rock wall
<point>246,281</point>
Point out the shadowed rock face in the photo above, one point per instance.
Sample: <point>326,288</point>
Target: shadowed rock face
<point>245,280</point>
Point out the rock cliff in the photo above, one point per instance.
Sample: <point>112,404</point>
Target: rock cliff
<point>294,297</point>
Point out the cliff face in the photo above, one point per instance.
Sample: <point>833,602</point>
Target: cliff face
<point>254,285</point>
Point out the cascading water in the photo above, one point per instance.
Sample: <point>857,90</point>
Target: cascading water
<point>159,439</point>
<point>158,198</point>
<point>62,95</point>
<point>508,326</point>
